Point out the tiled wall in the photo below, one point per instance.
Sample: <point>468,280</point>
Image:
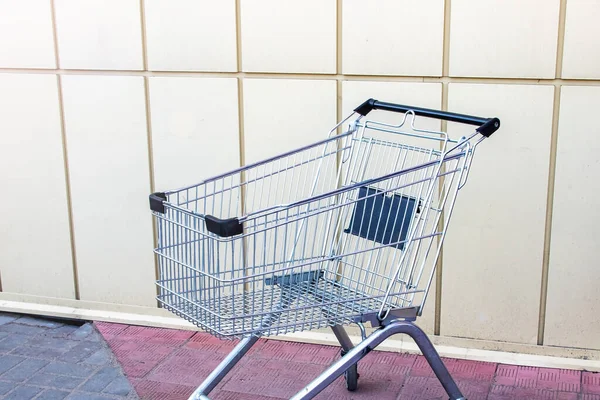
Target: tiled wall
<point>103,101</point>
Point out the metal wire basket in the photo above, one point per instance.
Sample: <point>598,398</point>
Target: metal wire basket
<point>344,230</point>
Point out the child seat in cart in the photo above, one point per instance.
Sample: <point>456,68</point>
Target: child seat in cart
<point>346,230</point>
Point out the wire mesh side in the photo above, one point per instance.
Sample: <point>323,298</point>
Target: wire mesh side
<point>354,238</point>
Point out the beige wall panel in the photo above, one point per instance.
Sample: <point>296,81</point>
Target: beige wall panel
<point>36,245</point>
<point>493,251</point>
<point>288,36</point>
<point>284,114</point>
<point>26,32</point>
<point>108,164</point>
<point>427,95</point>
<point>504,38</point>
<point>191,35</point>
<point>573,296</point>
<point>581,57</point>
<point>99,34</point>
<point>393,37</point>
<point>195,130</point>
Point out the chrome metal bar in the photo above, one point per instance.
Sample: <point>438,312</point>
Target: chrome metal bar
<point>370,343</point>
<point>223,368</point>
<point>342,337</point>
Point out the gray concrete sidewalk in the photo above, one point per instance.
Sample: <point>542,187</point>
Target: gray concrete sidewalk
<point>47,359</point>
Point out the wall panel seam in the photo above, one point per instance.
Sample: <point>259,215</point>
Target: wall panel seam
<point>284,75</point>
<point>144,38</point>
<point>551,176</point>
<point>68,188</point>
<point>61,109</point>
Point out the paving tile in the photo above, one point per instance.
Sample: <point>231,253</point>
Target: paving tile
<point>6,387</point>
<point>52,394</point>
<point>41,322</point>
<point>475,370</point>
<point>23,393</point>
<point>559,380</point>
<point>314,354</point>
<point>6,318</point>
<point>83,332</point>
<point>80,351</point>
<point>21,329</point>
<point>109,330</point>
<point>152,390</point>
<point>100,357</point>
<point>45,353</point>
<point>423,386</point>
<point>506,375</point>
<point>226,395</point>
<point>120,386</point>
<point>222,347</point>
<point>61,368</point>
<point>88,396</point>
<point>155,335</point>
<point>51,342</point>
<point>422,368</point>
<point>591,382</point>
<point>514,392</point>
<point>7,362</point>
<point>137,359</point>
<point>567,396</point>
<point>24,370</point>
<point>11,342</point>
<point>63,331</point>
<point>55,381</point>
<point>277,350</point>
<point>100,380</point>
<point>185,366</point>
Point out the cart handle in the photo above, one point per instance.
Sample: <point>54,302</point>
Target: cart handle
<point>486,126</point>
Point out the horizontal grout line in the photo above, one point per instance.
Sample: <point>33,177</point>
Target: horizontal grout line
<point>285,75</point>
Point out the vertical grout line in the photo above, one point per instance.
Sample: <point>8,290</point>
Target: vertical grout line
<point>238,33</point>
<point>446,46</point>
<point>338,105</point>
<point>551,176</point>
<point>548,224</point>
<point>560,45</point>
<point>144,39</point>
<point>241,137</point>
<point>54,33</point>
<point>338,61</point>
<point>439,267</point>
<point>151,174</point>
<point>63,131</point>
<point>68,187</point>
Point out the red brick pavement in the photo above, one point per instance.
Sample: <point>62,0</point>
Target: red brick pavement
<point>166,364</point>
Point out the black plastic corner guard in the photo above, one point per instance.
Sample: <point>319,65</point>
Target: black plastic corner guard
<point>223,227</point>
<point>157,202</point>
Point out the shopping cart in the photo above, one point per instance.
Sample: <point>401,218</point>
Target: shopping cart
<point>345,230</point>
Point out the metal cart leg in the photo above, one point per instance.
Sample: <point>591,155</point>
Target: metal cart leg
<point>223,368</point>
<point>371,342</point>
<point>351,374</point>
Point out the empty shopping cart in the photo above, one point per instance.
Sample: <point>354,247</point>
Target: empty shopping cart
<point>346,230</point>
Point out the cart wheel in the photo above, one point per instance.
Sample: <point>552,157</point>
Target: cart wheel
<point>351,376</point>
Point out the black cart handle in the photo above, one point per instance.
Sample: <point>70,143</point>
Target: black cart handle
<point>486,126</point>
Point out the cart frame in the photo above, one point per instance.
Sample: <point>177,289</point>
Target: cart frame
<point>219,271</point>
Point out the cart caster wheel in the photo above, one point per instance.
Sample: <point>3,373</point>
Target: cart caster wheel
<point>351,376</point>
